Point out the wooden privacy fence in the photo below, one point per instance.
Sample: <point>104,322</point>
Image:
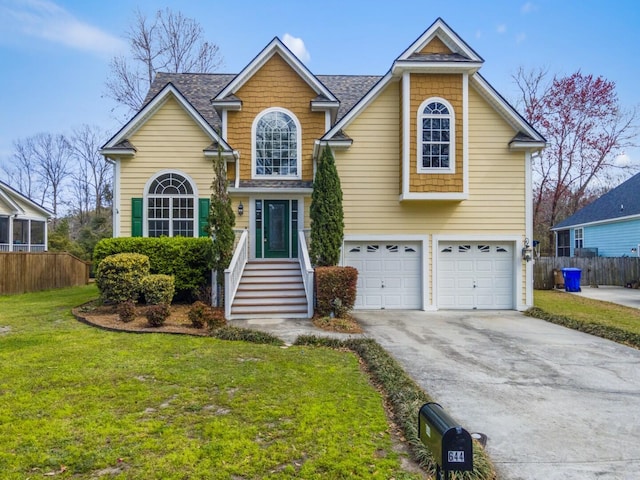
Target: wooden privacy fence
<point>22,272</point>
<point>595,271</point>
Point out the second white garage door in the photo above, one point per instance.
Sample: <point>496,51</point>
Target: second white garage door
<point>389,274</point>
<point>475,275</point>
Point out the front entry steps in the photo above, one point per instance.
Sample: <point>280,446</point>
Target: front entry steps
<point>270,289</point>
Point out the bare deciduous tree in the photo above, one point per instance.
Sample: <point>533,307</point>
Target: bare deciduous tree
<point>586,129</point>
<point>93,174</point>
<point>169,42</point>
<point>52,154</point>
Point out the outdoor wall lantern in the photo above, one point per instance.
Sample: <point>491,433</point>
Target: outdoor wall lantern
<point>527,251</point>
<point>240,209</point>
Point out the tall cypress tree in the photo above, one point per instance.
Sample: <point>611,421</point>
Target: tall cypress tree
<point>221,217</point>
<point>327,217</point>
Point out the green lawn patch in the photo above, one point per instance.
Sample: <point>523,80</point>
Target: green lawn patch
<point>604,319</point>
<point>79,402</point>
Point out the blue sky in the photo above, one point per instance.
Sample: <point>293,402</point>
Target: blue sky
<point>54,55</point>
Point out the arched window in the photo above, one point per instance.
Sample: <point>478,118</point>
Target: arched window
<point>436,136</point>
<point>170,206</point>
<point>276,146</point>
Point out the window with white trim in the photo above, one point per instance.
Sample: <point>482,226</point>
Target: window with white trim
<point>276,144</point>
<point>170,207</point>
<point>578,238</point>
<point>436,137</point>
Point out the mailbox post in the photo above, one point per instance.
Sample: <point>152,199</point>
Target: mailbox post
<point>449,443</point>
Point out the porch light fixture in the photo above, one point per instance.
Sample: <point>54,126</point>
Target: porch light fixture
<point>240,209</point>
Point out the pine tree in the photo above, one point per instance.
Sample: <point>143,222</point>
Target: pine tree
<point>327,217</point>
<point>221,217</point>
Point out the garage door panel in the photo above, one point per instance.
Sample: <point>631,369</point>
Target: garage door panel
<point>389,274</point>
<point>475,275</point>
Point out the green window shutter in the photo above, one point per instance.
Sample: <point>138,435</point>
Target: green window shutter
<point>203,216</point>
<point>136,217</point>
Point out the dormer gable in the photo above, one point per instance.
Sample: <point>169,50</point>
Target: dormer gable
<point>438,50</point>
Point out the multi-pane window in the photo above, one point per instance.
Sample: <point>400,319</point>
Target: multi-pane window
<point>578,238</point>
<point>435,137</point>
<point>276,144</point>
<point>170,207</point>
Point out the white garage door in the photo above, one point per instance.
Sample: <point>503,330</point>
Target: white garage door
<point>389,274</point>
<point>475,275</point>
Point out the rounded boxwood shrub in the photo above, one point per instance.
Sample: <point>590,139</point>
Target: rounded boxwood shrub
<point>119,277</point>
<point>158,288</point>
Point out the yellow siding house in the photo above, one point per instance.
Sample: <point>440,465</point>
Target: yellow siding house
<point>435,168</point>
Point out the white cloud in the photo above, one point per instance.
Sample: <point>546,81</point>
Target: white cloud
<point>48,21</point>
<point>623,160</point>
<point>521,37</point>
<point>502,28</point>
<point>296,45</point>
<point>528,8</point>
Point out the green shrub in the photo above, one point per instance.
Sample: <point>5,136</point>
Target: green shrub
<point>119,277</point>
<point>188,260</point>
<point>157,314</point>
<point>198,314</point>
<point>127,311</point>
<point>246,335</point>
<point>158,288</point>
<point>335,290</point>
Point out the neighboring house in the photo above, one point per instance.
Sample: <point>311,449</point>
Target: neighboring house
<point>607,227</point>
<point>23,223</point>
<point>435,168</point>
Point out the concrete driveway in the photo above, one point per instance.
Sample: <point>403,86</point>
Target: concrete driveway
<point>554,403</point>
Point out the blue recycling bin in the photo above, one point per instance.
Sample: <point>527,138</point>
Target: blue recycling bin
<point>571,279</point>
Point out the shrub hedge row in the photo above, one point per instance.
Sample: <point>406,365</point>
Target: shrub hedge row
<point>188,260</point>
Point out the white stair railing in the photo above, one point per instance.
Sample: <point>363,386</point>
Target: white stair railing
<point>233,274</point>
<point>306,270</point>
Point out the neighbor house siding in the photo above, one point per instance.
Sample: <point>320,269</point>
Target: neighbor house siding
<point>169,140</point>
<point>276,84</point>
<point>614,239</point>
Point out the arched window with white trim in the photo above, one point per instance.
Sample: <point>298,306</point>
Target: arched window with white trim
<point>277,142</point>
<point>436,137</point>
<point>170,206</point>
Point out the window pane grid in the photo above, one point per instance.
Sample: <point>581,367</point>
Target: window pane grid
<point>171,207</point>
<point>276,145</point>
<point>436,136</point>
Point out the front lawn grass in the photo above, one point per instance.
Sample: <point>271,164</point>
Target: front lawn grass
<point>78,402</point>
<point>605,319</point>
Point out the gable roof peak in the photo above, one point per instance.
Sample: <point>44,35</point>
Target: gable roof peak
<point>275,46</point>
<point>439,29</point>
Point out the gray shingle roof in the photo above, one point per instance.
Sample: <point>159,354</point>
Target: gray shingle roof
<point>622,201</point>
<point>200,88</point>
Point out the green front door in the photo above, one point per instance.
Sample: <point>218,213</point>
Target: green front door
<point>276,238</point>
